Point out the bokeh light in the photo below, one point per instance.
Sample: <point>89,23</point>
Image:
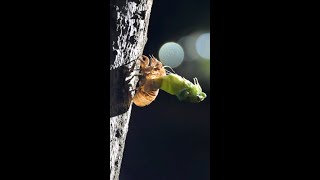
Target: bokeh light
<point>171,54</point>
<point>189,44</point>
<point>203,45</point>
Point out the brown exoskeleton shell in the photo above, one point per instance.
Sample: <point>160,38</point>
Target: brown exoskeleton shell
<point>149,84</point>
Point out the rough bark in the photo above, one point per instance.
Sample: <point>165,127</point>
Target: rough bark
<point>128,34</point>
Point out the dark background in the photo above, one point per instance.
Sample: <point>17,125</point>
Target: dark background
<point>170,139</point>
<point>263,95</point>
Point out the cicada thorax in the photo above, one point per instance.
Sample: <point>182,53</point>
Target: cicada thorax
<point>149,84</point>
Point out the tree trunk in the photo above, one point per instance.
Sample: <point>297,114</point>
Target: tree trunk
<point>128,36</point>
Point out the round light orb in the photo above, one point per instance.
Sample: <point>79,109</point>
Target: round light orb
<point>203,45</point>
<point>171,54</point>
<point>189,45</point>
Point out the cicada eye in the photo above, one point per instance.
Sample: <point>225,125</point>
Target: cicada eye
<point>188,93</point>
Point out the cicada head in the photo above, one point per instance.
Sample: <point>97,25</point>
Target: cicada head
<point>192,93</point>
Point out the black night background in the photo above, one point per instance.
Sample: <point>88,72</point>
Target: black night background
<point>170,139</point>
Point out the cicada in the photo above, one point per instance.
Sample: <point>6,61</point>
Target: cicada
<point>154,76</point>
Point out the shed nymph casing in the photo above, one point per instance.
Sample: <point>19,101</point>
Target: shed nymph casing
<point>152,70</point>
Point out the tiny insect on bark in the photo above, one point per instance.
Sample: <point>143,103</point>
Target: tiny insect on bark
<point>154,77</point>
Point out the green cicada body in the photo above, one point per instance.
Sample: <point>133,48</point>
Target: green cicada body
<point>183,88</point>
<point>155,77</point>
